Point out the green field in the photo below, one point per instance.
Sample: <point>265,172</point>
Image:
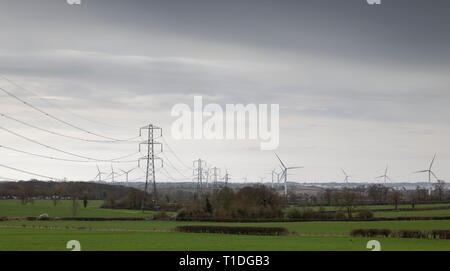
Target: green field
<point>27,239</point>
<point>383,207</point>
<point>159,235</point>
<point>13,208</point>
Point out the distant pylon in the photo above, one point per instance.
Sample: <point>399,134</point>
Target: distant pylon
<point>199,174</point>
<point>215,172</point>
<point>226,177</point>
<point>150,158</point>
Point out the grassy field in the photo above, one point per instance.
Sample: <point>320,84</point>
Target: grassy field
<point>443,212</point>
<point>28,239</point>
<point>159,235</point>
<point>302,228</point>
<point>13,208</point>
<point>384,207</point>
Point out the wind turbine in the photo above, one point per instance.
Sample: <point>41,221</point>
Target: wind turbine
<point>385,176</point>
<point>274,173</point>
<point>346,176</point>
<point>127,172</point>
<point>284,175</point>
<point>99,174</point>
<point>430,172</point>
<point>113,173</point>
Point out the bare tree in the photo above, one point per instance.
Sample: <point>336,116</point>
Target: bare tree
<point>439,189</point>
<point>395,197</point>
<point>75,205</point>
<point>349,200</point>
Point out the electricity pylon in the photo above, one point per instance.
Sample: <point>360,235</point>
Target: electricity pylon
<point>215,173</point>
<point>226,178</point>
<point>199,174</point>
<point>150,158</point>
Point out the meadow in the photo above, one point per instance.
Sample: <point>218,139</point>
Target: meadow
<point>159,235</point>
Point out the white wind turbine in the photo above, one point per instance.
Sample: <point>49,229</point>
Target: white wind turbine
<point>285,174</point>
<point>99,174</point>
<point>385,176</point>
<point>429,171</point>
<point>113,174</point>
<point>346,176</point>
<point>127,172</point>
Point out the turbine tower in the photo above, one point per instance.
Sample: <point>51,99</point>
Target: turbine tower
<point>285,174</point>
<point>113,174</point>
<point>429,171</point>
<point>274,173</point>
<point>385,176</point>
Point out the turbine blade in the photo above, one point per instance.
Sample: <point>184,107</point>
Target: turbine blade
<point>421,171</point>
<point>293,167</point>
<point>432,161</point>
<point>280,161</point>
<point>432,173</point>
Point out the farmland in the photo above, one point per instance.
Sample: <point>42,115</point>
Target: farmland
<point>13,208</point>
<point>159,235</point>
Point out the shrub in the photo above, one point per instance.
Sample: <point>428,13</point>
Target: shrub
<point>412,234</point>
<point>365,214</point>
<point>442,234</point>
<point>192,213</point>
<point>294,214</point>
<point>340,215</point>
<point>161,216</point>
<point>233,230</point>
<point>370,232</point>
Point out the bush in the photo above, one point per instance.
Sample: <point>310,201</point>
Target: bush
<point>442,234</point>
<point>340,215</point>
<point>365,214</point>
<point>309,214</point>
<point>233,230</point>
<point>161,216</point>
<point>192,213</point>
<point>412,234</point>
<point>294,214</point>
<point>370,232</point>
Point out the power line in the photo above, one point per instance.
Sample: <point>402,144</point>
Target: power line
<point>175,154</point>
<point>60,120</point>
<point>30,173</point>
<point>59,159</point>
<point>53,104</point>
<point>176,169</point>
<point>60,134</point>
<point>168,175</point>
<point>66,152</point>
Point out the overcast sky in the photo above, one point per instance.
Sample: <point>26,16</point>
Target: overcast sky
<point>358,86</point>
